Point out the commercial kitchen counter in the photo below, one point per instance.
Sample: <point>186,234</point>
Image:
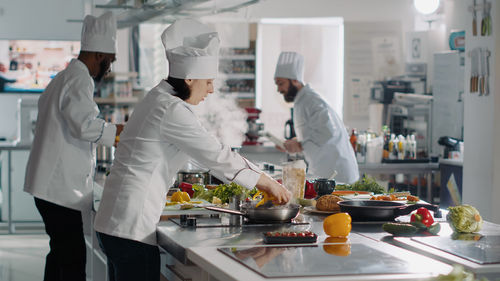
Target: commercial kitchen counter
<point>199,254</point>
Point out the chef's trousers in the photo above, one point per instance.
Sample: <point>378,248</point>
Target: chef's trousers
<point>67,256</point>
<point>130,260</point>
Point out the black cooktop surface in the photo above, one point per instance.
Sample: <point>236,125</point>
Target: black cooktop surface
<point>324,260</point>
<point>484,250</point>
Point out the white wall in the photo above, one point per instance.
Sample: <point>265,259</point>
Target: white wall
<point>495,194</point>
<point>481,182</point>
<point>40,20</point>
<point>397,15</point>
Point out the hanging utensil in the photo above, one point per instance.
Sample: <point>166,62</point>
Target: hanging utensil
<point>473,78</point>
<point>488,19</point>
<point>481,71</point>
<point>487,72</point>
<point>483,20</point>
<point>474,21</point>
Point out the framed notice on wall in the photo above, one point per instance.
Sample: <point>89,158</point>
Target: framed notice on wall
<point>360,88</point>
<point>386,57</point>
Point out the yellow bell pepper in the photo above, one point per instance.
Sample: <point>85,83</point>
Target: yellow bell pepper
<point>265,197</point>
<point>180,197</point>
<point>338,225</point>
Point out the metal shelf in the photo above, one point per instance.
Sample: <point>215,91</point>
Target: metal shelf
<point>119,100</point>
<point>241,76</point>
<point>241,95</point>
<point>238,57</point>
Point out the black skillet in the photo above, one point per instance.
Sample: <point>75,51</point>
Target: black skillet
<point>373,210</point>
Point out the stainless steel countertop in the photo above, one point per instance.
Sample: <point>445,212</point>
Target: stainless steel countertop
<point>199,245</point>
<point>176,240</point>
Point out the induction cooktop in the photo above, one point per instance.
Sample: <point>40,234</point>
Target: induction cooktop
<point>326,260</point>
<point>484,250</point>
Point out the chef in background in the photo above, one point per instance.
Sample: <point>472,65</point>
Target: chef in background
<point>60,168</point>
<point>321,135</point>
<point>162,134</point>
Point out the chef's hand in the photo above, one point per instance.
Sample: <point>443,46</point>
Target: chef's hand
<point>274,188</point>
<point>293,146</point>
<point>280,148</point>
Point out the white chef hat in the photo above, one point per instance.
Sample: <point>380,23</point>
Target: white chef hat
<point>290,65</point>
<point>99,34</point>
<point>192,50</point>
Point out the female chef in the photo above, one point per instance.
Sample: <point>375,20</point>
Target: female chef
<point>160,137</point>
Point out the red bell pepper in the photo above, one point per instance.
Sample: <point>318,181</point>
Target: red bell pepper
<point>423,216</point>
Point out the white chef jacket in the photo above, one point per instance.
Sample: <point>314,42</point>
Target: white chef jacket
<point>159,138</point>
<point>61,163</point>
<point>323,137</point>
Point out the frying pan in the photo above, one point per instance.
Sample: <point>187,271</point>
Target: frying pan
<point>373,210</point>
<point>282,213</point>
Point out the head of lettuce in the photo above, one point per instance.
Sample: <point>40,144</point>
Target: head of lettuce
<point>464,218</point>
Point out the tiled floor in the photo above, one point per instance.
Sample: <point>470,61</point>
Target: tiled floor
<point>22,257</point>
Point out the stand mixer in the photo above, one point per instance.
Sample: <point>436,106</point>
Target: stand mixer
<point>255,126</point>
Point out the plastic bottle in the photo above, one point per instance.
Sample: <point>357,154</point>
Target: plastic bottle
<point>353,139</point>
<point>413,147</point>
<point>401,147</point>
<point>361,148</point>
<point>408,148</point>
<point>392,147</point>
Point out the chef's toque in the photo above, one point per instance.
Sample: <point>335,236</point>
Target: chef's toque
<point>192,50</point>
<point>99,34</point>
<point>290,65</point>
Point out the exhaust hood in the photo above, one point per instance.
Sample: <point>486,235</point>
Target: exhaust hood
<point>133,12</point>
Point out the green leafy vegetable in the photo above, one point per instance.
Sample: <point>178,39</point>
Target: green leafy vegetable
<point>364,184</point>
<point>464,218</point>
<point>201,192</point>
<point>223,191</point>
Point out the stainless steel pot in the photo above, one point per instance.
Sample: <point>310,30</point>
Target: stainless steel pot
<point>282,213</point>
<point>192,173</point>
<point>198,177</point>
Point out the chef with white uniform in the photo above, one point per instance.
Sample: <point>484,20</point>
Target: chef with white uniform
<point>60,168</point>
<point>321,135</point>
<point>162,134</point>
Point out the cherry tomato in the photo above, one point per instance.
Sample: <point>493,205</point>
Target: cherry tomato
<point>277,234</point>
<point>310,235</point>
<point>292,234</point>
<point>302,234</point>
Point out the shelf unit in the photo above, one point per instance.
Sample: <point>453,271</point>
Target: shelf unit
<point>237,71</point>
<point>116,101</point>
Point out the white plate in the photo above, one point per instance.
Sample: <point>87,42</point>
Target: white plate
<point>356,197</point>
<point>314,210</point>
